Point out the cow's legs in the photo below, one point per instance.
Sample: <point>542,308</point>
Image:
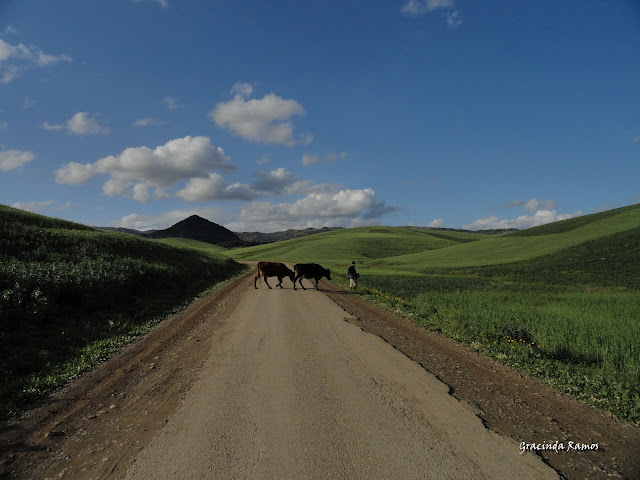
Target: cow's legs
<point>280,284</point>
<point>265,281</point>
<point>300,280</point>
<point>317,284</point>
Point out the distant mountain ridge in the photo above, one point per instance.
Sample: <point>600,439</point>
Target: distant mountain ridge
<point>258,237</point>
<point>201,229</point>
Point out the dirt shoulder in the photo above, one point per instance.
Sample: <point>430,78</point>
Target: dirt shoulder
<point>508,402</point>
<point>96,426</point>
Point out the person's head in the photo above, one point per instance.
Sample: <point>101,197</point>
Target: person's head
<point>353,263</point>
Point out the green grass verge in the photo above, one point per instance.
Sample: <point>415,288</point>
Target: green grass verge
<point>71,294</point>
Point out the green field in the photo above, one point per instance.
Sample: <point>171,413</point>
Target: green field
<point>71,295</point>
<point>560,301</point>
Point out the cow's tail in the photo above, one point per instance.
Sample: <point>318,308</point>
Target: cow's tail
<point>259,273</point>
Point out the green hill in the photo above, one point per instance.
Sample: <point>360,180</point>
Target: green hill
<point>560,301</point>
<point>365,245</point>
<point>70,294</point>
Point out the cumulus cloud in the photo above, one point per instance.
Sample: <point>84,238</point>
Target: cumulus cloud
<point>541,217</point>
<point>417,8</point>
<point>15,59</point>
<point>321,208</point>
<point>278,182</point>
<point>267,120</point>
<point>79,124</point>
<point>533,205</point>
<point>82,124</point>
<point>12,159</point>
<point>139,171</point>
<point>437,223</point>
<point>214,188</point>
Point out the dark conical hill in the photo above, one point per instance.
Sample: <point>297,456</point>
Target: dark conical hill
<point>198,228</point>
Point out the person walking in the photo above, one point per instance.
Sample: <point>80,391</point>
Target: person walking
<point>352,275</point>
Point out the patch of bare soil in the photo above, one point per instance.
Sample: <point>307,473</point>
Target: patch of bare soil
<point>96,426</point>
<point>508,402</point>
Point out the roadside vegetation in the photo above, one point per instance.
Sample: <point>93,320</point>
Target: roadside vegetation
<point>560,302</point>
<point>70,295</point>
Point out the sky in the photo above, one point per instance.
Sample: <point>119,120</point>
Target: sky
<point>265,116</point>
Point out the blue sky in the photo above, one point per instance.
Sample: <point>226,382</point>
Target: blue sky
<point>263,116</point>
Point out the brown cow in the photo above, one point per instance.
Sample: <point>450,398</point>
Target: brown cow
<point>310,271</point>
<point>273,269</point>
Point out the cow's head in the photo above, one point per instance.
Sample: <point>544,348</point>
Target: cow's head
<point>327,272</point>
<point>291,275</point>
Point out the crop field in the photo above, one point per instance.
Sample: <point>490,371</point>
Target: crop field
<point>560,302</point>
<point>71,295</point>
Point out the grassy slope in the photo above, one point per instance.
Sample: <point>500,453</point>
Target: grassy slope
<point>71,294</point>
<point>364,245</point>
<point>524,245</point>
<point>559,301</point>
<point>193,244</point>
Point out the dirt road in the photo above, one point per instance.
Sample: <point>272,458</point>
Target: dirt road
<point>294,391</point>
<point>288,384</point>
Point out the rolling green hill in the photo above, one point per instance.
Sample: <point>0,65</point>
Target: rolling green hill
<point>365,245</point>
<point>560,301</point>
<point>71,294</point>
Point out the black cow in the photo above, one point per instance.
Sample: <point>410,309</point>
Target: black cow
<point>310,271</point>
<point>273,269</point>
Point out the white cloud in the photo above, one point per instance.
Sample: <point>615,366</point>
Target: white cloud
<point>38,207</point>
<point>417,8</point>
<point>12,159</point>
<point>437,223</point>
<point>541,217</point>
<point>51,127</point>
<point>171,103</point>
<point>278,182</point>
<point>242,89</point>
<point>533,204</point>
<point>421,7</point>
<point>161,3</point>
<point>147,122</point>
<point>82,124</point>
<point>321,208</point>
<point>15,59</point>
<point>309,159</point>
<point>214,188</point>
<point>79,124</point>
<point>135,171</point>
<point>262,121</point>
